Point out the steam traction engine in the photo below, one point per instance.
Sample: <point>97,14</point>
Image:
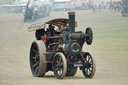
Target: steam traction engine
<point>61,51</point>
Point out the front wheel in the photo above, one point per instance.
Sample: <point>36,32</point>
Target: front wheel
<point>59,65</point>
<point>89,66</point>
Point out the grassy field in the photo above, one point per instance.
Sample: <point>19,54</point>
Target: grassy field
<point>110,30</point>
<point>113,32</point>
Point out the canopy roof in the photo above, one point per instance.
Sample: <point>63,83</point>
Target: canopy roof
<point>60,22</point>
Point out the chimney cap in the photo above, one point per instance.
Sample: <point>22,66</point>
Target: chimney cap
<point>71,13</point>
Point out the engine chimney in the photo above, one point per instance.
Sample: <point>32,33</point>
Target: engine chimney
<point>72,21</point>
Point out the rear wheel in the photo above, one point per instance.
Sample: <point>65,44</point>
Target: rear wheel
<point>38,59</point>
<point>59,65</point>
<point>89,66</point>
<point>71,71</point>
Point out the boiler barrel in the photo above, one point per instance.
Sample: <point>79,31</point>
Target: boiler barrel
<point>78,36</point>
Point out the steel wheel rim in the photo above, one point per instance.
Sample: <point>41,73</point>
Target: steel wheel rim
<point>58,66</point>
<point>88,70</point>
<point>34,60</point>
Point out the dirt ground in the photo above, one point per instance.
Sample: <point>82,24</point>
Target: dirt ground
<point>112,64</point>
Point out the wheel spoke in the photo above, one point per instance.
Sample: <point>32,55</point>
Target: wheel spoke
<point>37,56</point>
<point>60,71</point>
<point>34,51</point>
<point>56,65</point>
<point>34,58</point>
<point>57,69</point>
<point>86,70</point>
<point>61,65</point>
<point>87,58</point>
<point>57,60</point>
<point>37,68</point>
<point>90,60</point>
<point>90,69</point>
<point>90,72</point>
<point>60,60</point>
<point>36,64</point>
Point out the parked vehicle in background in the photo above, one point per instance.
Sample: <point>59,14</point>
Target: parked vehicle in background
<point>64,5</point>
<point>124,11</point>
<point>79,4</point>
<point>14,6</point>
<point>36,9</point>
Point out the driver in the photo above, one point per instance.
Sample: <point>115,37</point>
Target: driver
<point>51,30</point>
<point>67,28</point>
